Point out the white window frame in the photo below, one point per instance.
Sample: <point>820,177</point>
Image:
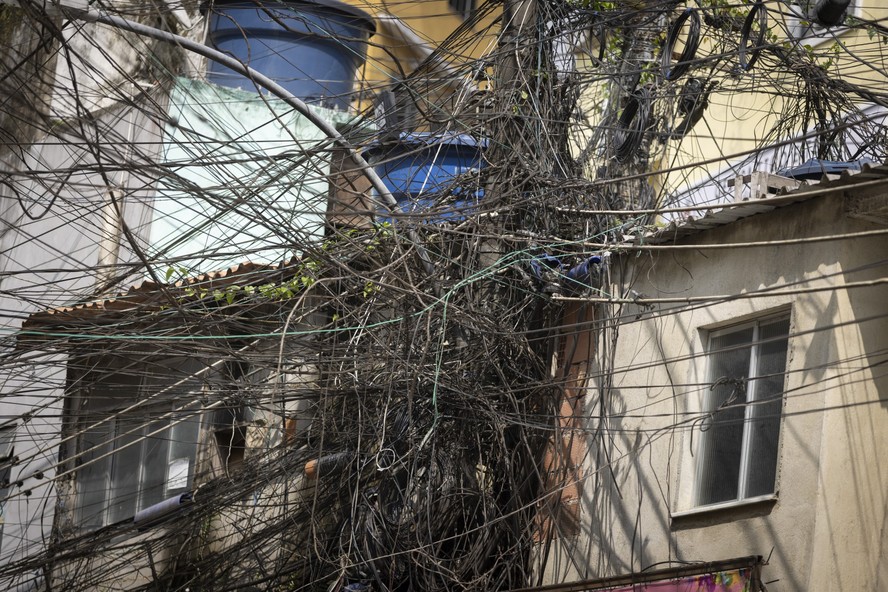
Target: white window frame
<point>752,396</point>
<point>155,419</point>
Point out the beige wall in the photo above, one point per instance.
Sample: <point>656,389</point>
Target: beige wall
<point>827,529</point>
<point>433,21</point>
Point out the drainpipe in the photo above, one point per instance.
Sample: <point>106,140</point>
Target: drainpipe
<point>109,237</point>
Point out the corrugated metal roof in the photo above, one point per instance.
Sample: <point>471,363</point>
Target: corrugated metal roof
<point>715,218</point>
<point>148,293</point>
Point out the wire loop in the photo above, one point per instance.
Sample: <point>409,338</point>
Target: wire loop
<point>758,10</point>
<point>632,124</point>
<point>673,72</point>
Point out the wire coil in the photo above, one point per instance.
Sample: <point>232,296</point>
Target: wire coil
<point>673,72</point>
<point>633,122</point>
<point>748,56</point>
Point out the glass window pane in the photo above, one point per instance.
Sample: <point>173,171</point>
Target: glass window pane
<point>126,470</point>
<point>154,464</point>
<point>114,389</point>
<point>183,438</point>
<point>722,440</point>
<point>93,475</point>
<point>144,465</point>
<point>176,378</point>
<point>765,418</point>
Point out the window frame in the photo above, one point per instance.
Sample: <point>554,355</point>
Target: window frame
<point>752,384</point>
<point>139,418</point>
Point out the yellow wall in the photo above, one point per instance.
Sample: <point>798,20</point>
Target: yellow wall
<point>746,108</point>
<point>738,122</point>
<point>433,21</point>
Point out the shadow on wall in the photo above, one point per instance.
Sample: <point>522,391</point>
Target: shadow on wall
<point>855,499</point>
<point>633,449</point>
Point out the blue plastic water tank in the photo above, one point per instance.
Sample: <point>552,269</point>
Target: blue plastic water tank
<point>417,166</point>
<point>311,48</point>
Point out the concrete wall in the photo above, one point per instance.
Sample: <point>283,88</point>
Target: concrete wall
<point>76,182</point>
<point>27,511</point>
<point>27,64</point>
<point>764,107</point>
<point>826,528</point>
<point>100,62</point>
<point>390,54</point>
<point>741,119</point>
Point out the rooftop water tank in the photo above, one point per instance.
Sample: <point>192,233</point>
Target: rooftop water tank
<point>310,47</point>
<point>418,167</point>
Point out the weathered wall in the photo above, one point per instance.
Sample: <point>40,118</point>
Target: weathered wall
<point>27,58</point>
<point>826,529</point>
<point>101,63</point>
<point>51,225</point>
<point>52,209</point>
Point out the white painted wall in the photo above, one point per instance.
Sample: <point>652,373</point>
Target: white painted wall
<point>48,259</point>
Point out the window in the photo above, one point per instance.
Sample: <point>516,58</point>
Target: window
<point>7,458</point>
<point>138,430</point>
<point>463,7</point>
<point>738,448</point>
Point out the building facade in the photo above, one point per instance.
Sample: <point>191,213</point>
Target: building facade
<point>735,403</point>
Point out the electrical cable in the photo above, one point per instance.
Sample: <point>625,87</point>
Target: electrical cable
<point>692,42</point>
<point>632,124</point>
<point>748,55</point>
<point>452,409</point>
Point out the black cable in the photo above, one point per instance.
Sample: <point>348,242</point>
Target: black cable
<point>693,101</point>
<point>632,124</point>
<point>758,11</point>
<point>670,71</point>
<point>602,45</point>
<point>55,195</point>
